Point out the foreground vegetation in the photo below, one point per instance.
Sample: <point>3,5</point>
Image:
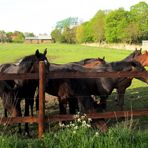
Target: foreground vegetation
<point>125,134</point>
<point>80,134</point>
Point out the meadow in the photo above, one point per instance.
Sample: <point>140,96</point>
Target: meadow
<point>119,135</point>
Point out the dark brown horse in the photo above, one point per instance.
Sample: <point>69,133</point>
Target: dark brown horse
<point>102,87</point>
<point>120,86</point>
<point>58,87</point>
<point>25,89</point>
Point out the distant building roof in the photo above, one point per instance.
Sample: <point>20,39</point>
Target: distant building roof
<point>39,38</point>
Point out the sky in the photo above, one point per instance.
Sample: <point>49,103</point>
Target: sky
<point>40,16</point>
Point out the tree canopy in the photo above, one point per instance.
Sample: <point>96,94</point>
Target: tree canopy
<point>110,26</point>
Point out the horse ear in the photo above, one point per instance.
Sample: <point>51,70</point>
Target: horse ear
<point>45,52</point>
<point>104,58</point>
<point>135,49</point>
<point>37,53</point>
<point>140,49</point>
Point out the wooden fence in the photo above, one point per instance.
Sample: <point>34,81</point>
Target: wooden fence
<point>41,119</point>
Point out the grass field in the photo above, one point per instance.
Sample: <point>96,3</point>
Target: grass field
<point>59,53</point>
<point>136,96</point>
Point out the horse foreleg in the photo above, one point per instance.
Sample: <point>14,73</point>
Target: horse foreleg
<point>19,114</point>
<point>120,97</point>
<point>62,106</point>
<point>26,114</point>
<point>5,113</point>
<point>31,102</point>
<point>73,105</point>
<point>103,104</point>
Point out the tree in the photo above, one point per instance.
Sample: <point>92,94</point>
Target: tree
<point>57,35</point>
<point>88,37</point>
<point>69,35</point>
<point>131,33</point>
<point>29,34</point>
<point>18,37</point>
<point>98,26</point>
<point>116,22</point>
<point>139,15</point>
<point>80,33</point>
<point>3,36</point>
<point>68,22</point>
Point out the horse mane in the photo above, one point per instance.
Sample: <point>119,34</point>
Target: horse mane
<point>133,55</point>
<point>119,66</point>
<point>26,63</point>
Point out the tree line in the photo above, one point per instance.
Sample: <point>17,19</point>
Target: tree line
<point>111,26</point>
<point>16,36</point>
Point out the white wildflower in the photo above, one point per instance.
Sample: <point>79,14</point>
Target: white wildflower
<point>76,127</point>
<point>84,122</point>
<point>88,125</point>
<point>76,116</point>
<point>89,119</point>
<point>61,124</point>
<point>96,134</point>
<point>82,117</point>
<point>79,120</point>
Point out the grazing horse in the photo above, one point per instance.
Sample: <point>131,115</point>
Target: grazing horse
<point>142,58</point>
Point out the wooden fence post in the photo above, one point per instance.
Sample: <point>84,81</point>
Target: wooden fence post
<point>41,115</point>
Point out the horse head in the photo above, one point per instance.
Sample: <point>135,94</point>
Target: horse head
<point>137,66</point>
<point>133,55</point>
<point>30,63</point>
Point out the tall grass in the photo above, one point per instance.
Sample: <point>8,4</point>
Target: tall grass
<point>79,134</point>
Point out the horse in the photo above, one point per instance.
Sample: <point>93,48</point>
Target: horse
<point>9,99</point>
<point>142,58</point>
<point>103,87</point>
<point>122,84</point>
<point>125,83</point>
<point>57,86</point>
<point>9,68</point>
<point>26,88</point>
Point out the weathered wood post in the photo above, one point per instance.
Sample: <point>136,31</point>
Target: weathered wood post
<point>41,115</point>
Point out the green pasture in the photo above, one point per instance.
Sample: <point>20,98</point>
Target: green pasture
<point>59,53</point>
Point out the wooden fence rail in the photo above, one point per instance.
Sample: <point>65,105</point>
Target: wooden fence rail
<point>56,75</point>
<point>75,75</point>
<point>106,115</point>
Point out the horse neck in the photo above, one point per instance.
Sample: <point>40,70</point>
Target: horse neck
<point>27,65</point>
<point>119,66</point>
